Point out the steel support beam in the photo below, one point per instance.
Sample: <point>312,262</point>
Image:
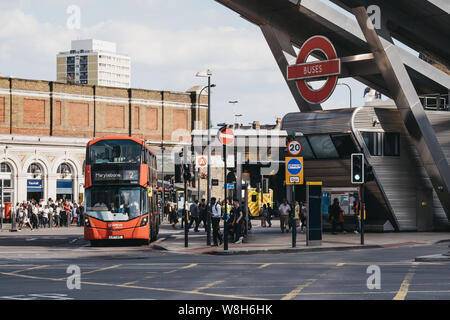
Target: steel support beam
<point>282,49</point>
<point>410,108</point>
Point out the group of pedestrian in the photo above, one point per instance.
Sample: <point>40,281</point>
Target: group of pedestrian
<point>198,214</point>
<point>266,214</point>
<point>46,214</point>
<point>336,216</point>
<point>288,216</point>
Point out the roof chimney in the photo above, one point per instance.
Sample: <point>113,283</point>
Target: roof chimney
<point>278,124</point>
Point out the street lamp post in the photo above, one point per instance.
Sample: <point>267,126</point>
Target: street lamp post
<point>208,74</point>
<point>350,89</point>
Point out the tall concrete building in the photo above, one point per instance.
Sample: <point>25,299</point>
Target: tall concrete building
<point>94,62</point>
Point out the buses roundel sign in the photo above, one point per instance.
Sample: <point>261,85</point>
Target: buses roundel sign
<point>328,69</point>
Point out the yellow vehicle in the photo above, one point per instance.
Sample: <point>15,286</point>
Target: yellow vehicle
<point>255,203</point>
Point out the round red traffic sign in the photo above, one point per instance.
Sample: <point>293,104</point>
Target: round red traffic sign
<point>294,148</point>
<point>226,136</point>
<point>302,70</point>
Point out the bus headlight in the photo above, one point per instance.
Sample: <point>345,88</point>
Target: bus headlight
<point>144,221</point>
<point>87,223</point>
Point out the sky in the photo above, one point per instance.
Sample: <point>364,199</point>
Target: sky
<point>169,41</point>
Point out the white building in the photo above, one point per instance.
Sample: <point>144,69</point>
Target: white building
<point>33,167</point>
<point>94,62</point>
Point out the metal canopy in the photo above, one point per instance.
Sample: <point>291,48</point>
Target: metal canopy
<point>421,25</point>
<point>298,20</point>
<point>370,56</point>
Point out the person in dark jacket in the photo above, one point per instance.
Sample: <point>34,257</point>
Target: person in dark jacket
<point>336,215</point>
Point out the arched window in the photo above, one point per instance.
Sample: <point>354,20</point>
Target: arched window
<point>64,170</point>
<point>35,169</point>
<point>5,168</point>
<point>6,182</point>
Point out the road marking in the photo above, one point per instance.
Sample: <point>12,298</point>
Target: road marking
<point>291,295</point>
<point>212,284</point>
<point>340,264</point>
<point>102,269</point>
<point>226,296</point>
<point>31,268</point>
<point>183,268</point>
<point>264,265</point>
<point>403,291</point>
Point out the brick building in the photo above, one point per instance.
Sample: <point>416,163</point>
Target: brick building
<point>44,128</point>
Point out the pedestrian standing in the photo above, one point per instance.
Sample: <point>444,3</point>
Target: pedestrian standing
<point>173,215</point>
<point>66,215</point>
<point>75,213</point>
<point>297,211</point>
<point>336,215</point>
<point>303,216</point>
<point>284,210</point>
<point>45,213</point>
<point>195,215</point>
<point>238,221</point>
<point>216,215</point>
<point>263,215</point>
<point>58,216</point>
<point>203,212</point>
<point>269,214</point>
<point>26,218</point>
<point>356,215</point>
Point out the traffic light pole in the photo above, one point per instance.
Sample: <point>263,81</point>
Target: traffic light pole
<point>208,184</point>
<point>363,213</point>
<point>225,227</point>
<point>186,227</point>
<point>186,220</point>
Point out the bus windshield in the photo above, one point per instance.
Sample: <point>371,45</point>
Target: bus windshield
<point>115,203</point>
<point>115,151</point>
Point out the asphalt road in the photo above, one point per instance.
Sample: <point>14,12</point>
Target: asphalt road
<point>35,267</point>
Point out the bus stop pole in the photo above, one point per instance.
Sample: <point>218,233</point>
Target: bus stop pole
<point>294,222</point>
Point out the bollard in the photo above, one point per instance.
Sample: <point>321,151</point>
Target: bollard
<point>294,232</point>
<point>13,222</point>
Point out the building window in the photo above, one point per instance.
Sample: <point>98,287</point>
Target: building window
<point>391,143</point>
<point>323,147</point>
<point>5,168</point>
<point>64,169</point>
<point>382,143</point>
<point>373,142</point>
<point>35,169</point>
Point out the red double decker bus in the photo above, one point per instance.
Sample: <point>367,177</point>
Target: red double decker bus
<point>121,197</point>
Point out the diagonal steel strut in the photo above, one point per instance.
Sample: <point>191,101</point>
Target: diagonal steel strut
<point>410,108</point>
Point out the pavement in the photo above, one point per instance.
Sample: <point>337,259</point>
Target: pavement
<point>271,240</point>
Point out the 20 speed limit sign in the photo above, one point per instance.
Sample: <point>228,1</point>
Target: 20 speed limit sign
<point>294,148</point>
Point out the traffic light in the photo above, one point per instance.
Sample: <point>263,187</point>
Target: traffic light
<point>265,185</point>
<point>357,168</point>
<point>187,172</point>
<point>178,173</point>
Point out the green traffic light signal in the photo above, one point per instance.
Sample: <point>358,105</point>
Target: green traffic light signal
<point>357,168</point>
